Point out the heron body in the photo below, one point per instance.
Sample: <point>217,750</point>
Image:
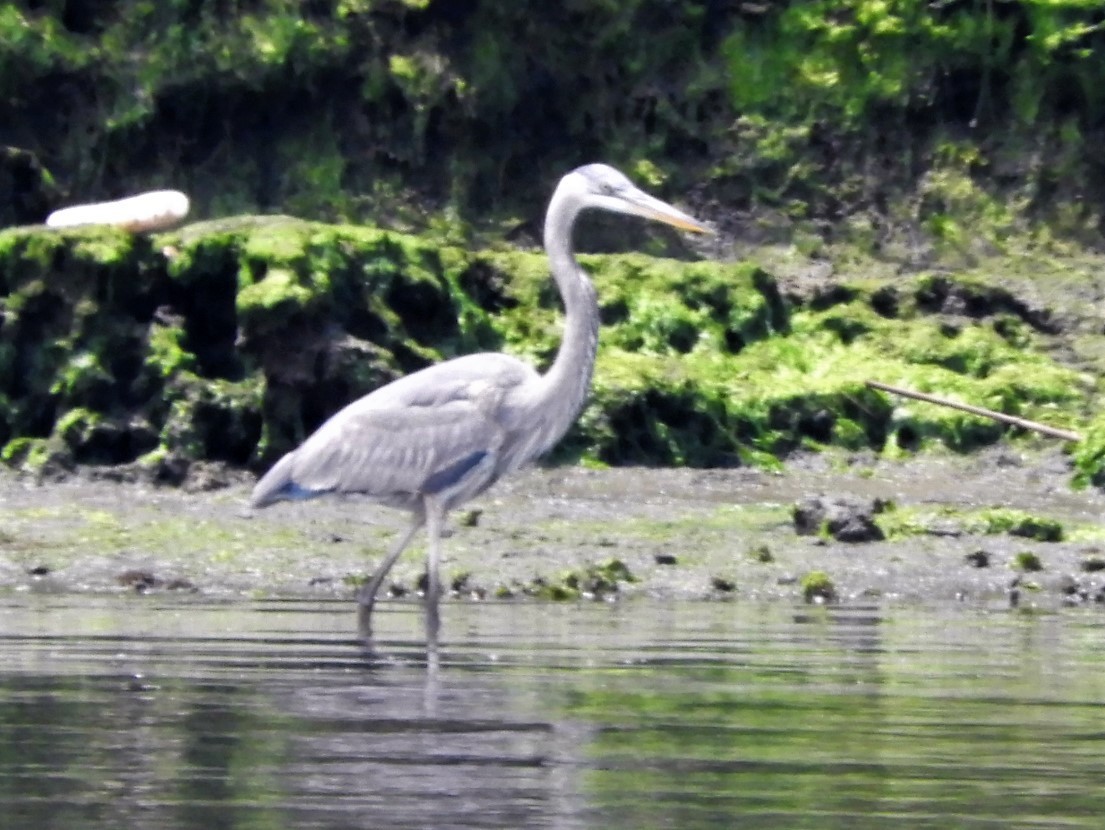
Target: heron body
<point>432,440</point>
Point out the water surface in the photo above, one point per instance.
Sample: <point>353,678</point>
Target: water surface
<point>143,711</point>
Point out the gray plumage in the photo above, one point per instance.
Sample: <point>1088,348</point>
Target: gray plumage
<point>432,440</point>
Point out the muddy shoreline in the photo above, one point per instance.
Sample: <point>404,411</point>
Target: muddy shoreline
<point>682,534</point>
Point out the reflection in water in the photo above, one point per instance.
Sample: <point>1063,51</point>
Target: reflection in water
<point>134,712</point>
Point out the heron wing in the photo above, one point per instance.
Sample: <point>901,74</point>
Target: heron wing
<point>394,451</point>
<point>423,432</point>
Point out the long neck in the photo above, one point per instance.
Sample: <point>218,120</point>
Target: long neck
<point>564,387</point>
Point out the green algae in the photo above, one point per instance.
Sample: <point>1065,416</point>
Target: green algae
<point>168,355</point>
<point>817,586</point>
<point>1089,455</point>
<point>596,581</point>
<point>808,120</point>
<point>75,425</point>
<point>806,387</point>
<point>82,378</point>
<point>278,294</point>
<point>25,453</point>
<point>901,523</point>
<point>1020,523</point>
<point>232,340</point>
<point>77,530</point>
<point>1028,562</point>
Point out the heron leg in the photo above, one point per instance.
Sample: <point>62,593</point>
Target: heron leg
<point>435,519</point>
<point>366,597</point>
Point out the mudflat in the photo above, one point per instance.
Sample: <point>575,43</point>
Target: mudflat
<point>999,528</point>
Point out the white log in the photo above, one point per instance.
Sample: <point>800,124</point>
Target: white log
<point>156,210</point>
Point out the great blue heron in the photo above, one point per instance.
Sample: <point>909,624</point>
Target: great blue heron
<point>432,440</point>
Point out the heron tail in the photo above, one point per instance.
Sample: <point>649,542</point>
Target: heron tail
<point>279,485</point>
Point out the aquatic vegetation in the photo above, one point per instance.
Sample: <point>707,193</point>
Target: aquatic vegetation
<point>761,554</point>
<point>1089,455</point>
<point>232,340</point>
<point>597,581</point>
<point>26,453</point>
<point>1028,562</point>
<point>938,144</point>
<point>897,522</point>
<point>817,586</point>
<point>1019,523</point>
<point>905,522</point>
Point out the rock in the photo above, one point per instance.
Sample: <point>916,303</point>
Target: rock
<point>140,580</point>
<point>725,586</point>
<point>978,559</point>
<point>1093,563</point>
<point>845,520</point>
<point>152,211</point>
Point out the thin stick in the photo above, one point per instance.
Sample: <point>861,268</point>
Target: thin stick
<point>1013,420</point>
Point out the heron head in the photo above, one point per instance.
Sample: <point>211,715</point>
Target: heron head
<point>601,186</point>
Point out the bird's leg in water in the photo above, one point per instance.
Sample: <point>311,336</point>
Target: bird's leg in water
<point>435,518</point>
<point>366,597</point>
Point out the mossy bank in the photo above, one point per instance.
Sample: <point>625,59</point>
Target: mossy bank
<point>231,341</point>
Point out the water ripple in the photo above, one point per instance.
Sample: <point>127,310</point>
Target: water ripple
<point>141,711</point>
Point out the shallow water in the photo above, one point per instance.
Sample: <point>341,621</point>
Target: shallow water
<point>141,711</point>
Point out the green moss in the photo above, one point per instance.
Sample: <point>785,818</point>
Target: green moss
<point>26,453</point>
<point>74,427</point>
<point>850,434</point>
<point>213,420</point>
<point>591,582</point>
<point>82,379</point>
<point>902,522</point>
<point>314,160</point>
<point>1028,562</point>
<point>1089,455</point>
<point>102,246</point>
<point>155,457</point>
<point>1019,523</point>
<point>167,355</point>
<point>209,543</point>
<point>280,292</point>
<point>761,554</point>
<point>804,387</point>
<point>700,363</point>
<point>817,586</point>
